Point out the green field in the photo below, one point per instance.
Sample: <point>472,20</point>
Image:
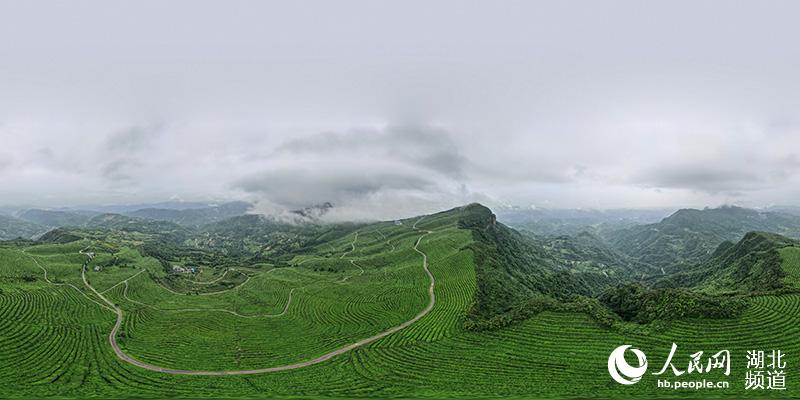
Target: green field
<point>54,332</point>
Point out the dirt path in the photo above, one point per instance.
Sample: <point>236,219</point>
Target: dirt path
<point>210,282</point>
<point>112,337</point>
<point>352,245</point>
<point>124,281</point>
<point>384,238</point>
<point>46,279</point>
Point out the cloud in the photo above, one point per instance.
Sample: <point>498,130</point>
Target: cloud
<point>5,161</point>
<point>365,173</point>
<point>703,178</point>
<point>304,187</point>
<point>426,146</point>
<point>134,139</point>
<point>117,170</point>
<point>734,168</point>
<point>125,150</point>
<point>354,108</point>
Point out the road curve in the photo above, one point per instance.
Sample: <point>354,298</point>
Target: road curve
<point>112,337</point>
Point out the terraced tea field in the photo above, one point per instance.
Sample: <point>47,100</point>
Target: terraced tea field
<point>791,264</point>
<point>54,332</point>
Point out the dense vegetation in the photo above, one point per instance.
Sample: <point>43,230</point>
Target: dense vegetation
<point>689,237</point>
<point>515,314</point>
<point>571,222</point>
<point>12,228</point>
<point>754,264</point>
<point>512,269</point>
<point>194,217</point>
<point>635,303</point>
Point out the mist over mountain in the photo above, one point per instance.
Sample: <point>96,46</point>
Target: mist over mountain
<point>12,228</point>
<point>573,221</point>
<point>690,236</point>
<point>196,216</point>
<point>55,218</point>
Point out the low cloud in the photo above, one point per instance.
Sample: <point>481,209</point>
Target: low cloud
<point>125,153</point>
<point>428,147</point>
<point>701,178</point>
<point>365,173</point>
<point>303,187</point>
<point>382,120</point>
<point>731,175</point>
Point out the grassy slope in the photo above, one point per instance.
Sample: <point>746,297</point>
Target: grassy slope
<point>752,265</point>
<point>791,264</point>
<point>53,341</point>
<point>688,236</point>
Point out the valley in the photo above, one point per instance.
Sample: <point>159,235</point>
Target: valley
<point>452,304</point>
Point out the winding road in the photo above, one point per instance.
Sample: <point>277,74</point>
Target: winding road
<point>112,337</point>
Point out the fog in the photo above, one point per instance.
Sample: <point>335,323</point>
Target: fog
<point>395,108</point>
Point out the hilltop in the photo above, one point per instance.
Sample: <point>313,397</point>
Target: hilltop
<point>690,236</point>
<point>753,264</point>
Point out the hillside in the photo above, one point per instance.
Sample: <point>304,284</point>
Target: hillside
<point>263,237</point>
<point>194,217</point>
<point>450,304</point>
<point>753,264</point>
<point>12,228</point>
<point>118,222</point>
<point>560,222</point>
<point>54,218</point>
<point>588,252</point>
<point>689,236</point>
<point>512,269</point>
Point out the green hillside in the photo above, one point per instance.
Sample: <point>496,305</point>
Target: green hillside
<point>55,218</point>
<point>790,257</point>
<point>348,308</point>
<point>691,236</point>
<point>757,263</point>
<point>194,217</point>
<point>12,228</point>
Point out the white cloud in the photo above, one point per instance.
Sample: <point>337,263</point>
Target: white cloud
<point>605,105</point>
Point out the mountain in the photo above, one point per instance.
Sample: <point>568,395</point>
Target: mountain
<point>127,208</point>
<point>588,252</point>
<point>262,237</point>
<point>512,270</point>
<point>59,236</point>
<point>558,222</point>
<point>12,228</point>
<point>55,218</point>
<point>794,210</point>
<point>690,236</point>
<point>754,264</point>
<point>314,213</point>
<point>194,216</point>
<point>124,223</point>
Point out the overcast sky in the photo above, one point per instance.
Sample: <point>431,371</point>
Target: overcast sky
<point>393,108</point>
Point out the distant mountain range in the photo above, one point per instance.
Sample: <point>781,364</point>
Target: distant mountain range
<point>12,228</point>
<point>30,223</point>
<point>54,218</point>
<point>194,216</point>
<point>556,222</point>
<point>689,255</point>
<point>690,236</point>
<point>753,264</point>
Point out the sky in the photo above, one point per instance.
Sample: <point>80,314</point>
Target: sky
<point>391,108</point>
